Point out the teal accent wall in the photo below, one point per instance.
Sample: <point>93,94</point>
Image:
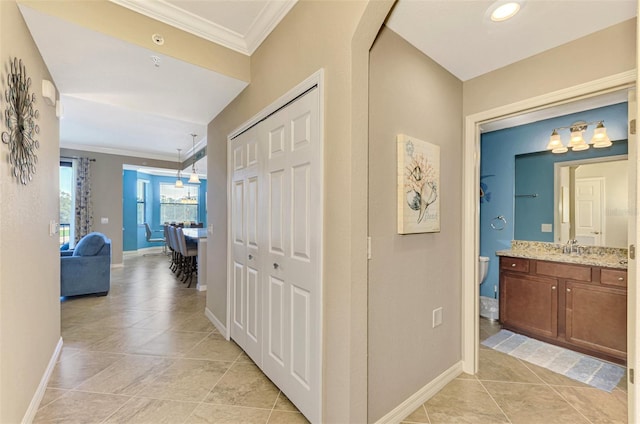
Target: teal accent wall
<point>129,210</point>
<point>134,236</point>
<point>497,172</point>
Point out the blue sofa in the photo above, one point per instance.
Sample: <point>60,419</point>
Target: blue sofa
<point>87,268</point>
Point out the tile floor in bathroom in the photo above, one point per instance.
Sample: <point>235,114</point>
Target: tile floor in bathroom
<point>147,354</point>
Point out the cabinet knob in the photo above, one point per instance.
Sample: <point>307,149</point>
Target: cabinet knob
<point>553,287</point>
<point>620,278</point>
<point>568,290</point>
<point>250,256</point>
<point>275,266</point>
<point>513,265</point>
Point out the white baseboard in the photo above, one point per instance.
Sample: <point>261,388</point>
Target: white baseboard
<point>407,407</point>
<point>119,265</point>
<point>201,287</point>
<point>44,381</point>
<point>216,322</point>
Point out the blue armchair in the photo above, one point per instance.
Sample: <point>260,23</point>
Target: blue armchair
<point>87,268</point>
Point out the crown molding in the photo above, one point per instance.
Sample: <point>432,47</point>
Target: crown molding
<point>170,14</point>
<point>117,152</point>
<point>266,22</point>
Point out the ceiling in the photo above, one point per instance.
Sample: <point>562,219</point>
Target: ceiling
<point>116,100</point>
<point>459,35</point>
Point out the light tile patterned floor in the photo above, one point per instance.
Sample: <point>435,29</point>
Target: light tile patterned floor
<point>508,390</point>
<point>147,354</point>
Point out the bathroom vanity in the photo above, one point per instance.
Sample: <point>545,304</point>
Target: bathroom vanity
<point>574,301</point>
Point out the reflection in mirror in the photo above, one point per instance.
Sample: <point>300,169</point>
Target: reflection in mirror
<point>572,196</point>
<point>592,202</point>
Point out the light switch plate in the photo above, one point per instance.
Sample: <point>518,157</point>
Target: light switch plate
<point>546,228</point>
<point>104,220</point>
<point>437,317</point>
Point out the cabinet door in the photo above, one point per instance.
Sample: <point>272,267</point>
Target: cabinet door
<point>529,304</point>
<point>597,318</point>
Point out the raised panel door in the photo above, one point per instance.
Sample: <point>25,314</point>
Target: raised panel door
<point>597,318</point>
<point>529,304</point>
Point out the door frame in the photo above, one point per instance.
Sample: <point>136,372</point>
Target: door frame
<point>315,79</point>
<point>470,201</point>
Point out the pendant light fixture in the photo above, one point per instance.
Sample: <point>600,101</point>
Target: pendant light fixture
<point>179,176</point>
<point>194,179</point>
<point>577,142</point>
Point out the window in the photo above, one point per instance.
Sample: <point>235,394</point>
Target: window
<point>66,201</point>
<point>178,204</point>
<point>141,198</point>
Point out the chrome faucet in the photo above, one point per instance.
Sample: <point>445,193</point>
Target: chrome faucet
<point>571,247</point>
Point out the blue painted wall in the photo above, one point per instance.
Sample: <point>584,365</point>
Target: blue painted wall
<point>497,172</point>
<point>129,208</point>
<point>134,236</point>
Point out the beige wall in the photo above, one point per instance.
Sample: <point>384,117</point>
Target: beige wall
<point>29,256</point>
<point>333,36</point>
<point>601,54</point>
<point>106,192</point>
<point>410,275</point>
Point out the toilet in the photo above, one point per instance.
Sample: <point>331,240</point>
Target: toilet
<point>488,306</point>
<point>483,268</point>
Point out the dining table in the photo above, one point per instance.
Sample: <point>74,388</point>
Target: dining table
<point>199,236</point>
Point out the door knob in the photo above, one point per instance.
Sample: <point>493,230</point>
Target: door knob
<point>250,256</point>
<point>275,266</point>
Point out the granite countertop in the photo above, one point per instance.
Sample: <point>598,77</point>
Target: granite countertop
<point>596,256</point>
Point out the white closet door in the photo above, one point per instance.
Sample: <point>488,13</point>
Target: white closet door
<point>276,241</point>
<point>293,195</point>
<point>246,297</point>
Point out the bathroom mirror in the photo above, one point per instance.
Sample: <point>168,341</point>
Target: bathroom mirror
<point>576,195</point>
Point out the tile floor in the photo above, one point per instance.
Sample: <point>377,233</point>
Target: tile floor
<point>508,390</point>
<point>147,354</point>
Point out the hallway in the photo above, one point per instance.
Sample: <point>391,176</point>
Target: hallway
<point>147,354</point>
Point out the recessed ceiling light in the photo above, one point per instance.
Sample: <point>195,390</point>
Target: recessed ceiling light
<point>505,11</point>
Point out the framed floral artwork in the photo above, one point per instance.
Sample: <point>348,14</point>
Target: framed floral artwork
<point>418,186</point>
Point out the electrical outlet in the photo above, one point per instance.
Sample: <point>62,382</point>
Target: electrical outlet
<point>437,317</point>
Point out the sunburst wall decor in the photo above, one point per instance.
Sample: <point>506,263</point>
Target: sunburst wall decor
<point>20,117</point>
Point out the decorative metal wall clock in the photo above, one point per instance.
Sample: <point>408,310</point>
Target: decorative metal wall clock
<point>20,117</point>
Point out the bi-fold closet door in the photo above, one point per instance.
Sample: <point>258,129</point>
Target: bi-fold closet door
<point>276,241</point>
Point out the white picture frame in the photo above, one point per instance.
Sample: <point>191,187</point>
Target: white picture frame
<point>418,185</point>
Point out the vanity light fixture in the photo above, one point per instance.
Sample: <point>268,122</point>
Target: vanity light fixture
<point>179,183</point>
<point>194,179</point>
<point>577,142</point>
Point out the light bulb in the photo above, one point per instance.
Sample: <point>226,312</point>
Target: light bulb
<point>554,141</point>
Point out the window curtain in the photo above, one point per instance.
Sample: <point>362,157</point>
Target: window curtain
<point>84,209</point>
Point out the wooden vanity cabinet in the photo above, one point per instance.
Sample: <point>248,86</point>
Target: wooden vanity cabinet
<point>576,306</point>
<point>596,318</point>
<point>532,304</point>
